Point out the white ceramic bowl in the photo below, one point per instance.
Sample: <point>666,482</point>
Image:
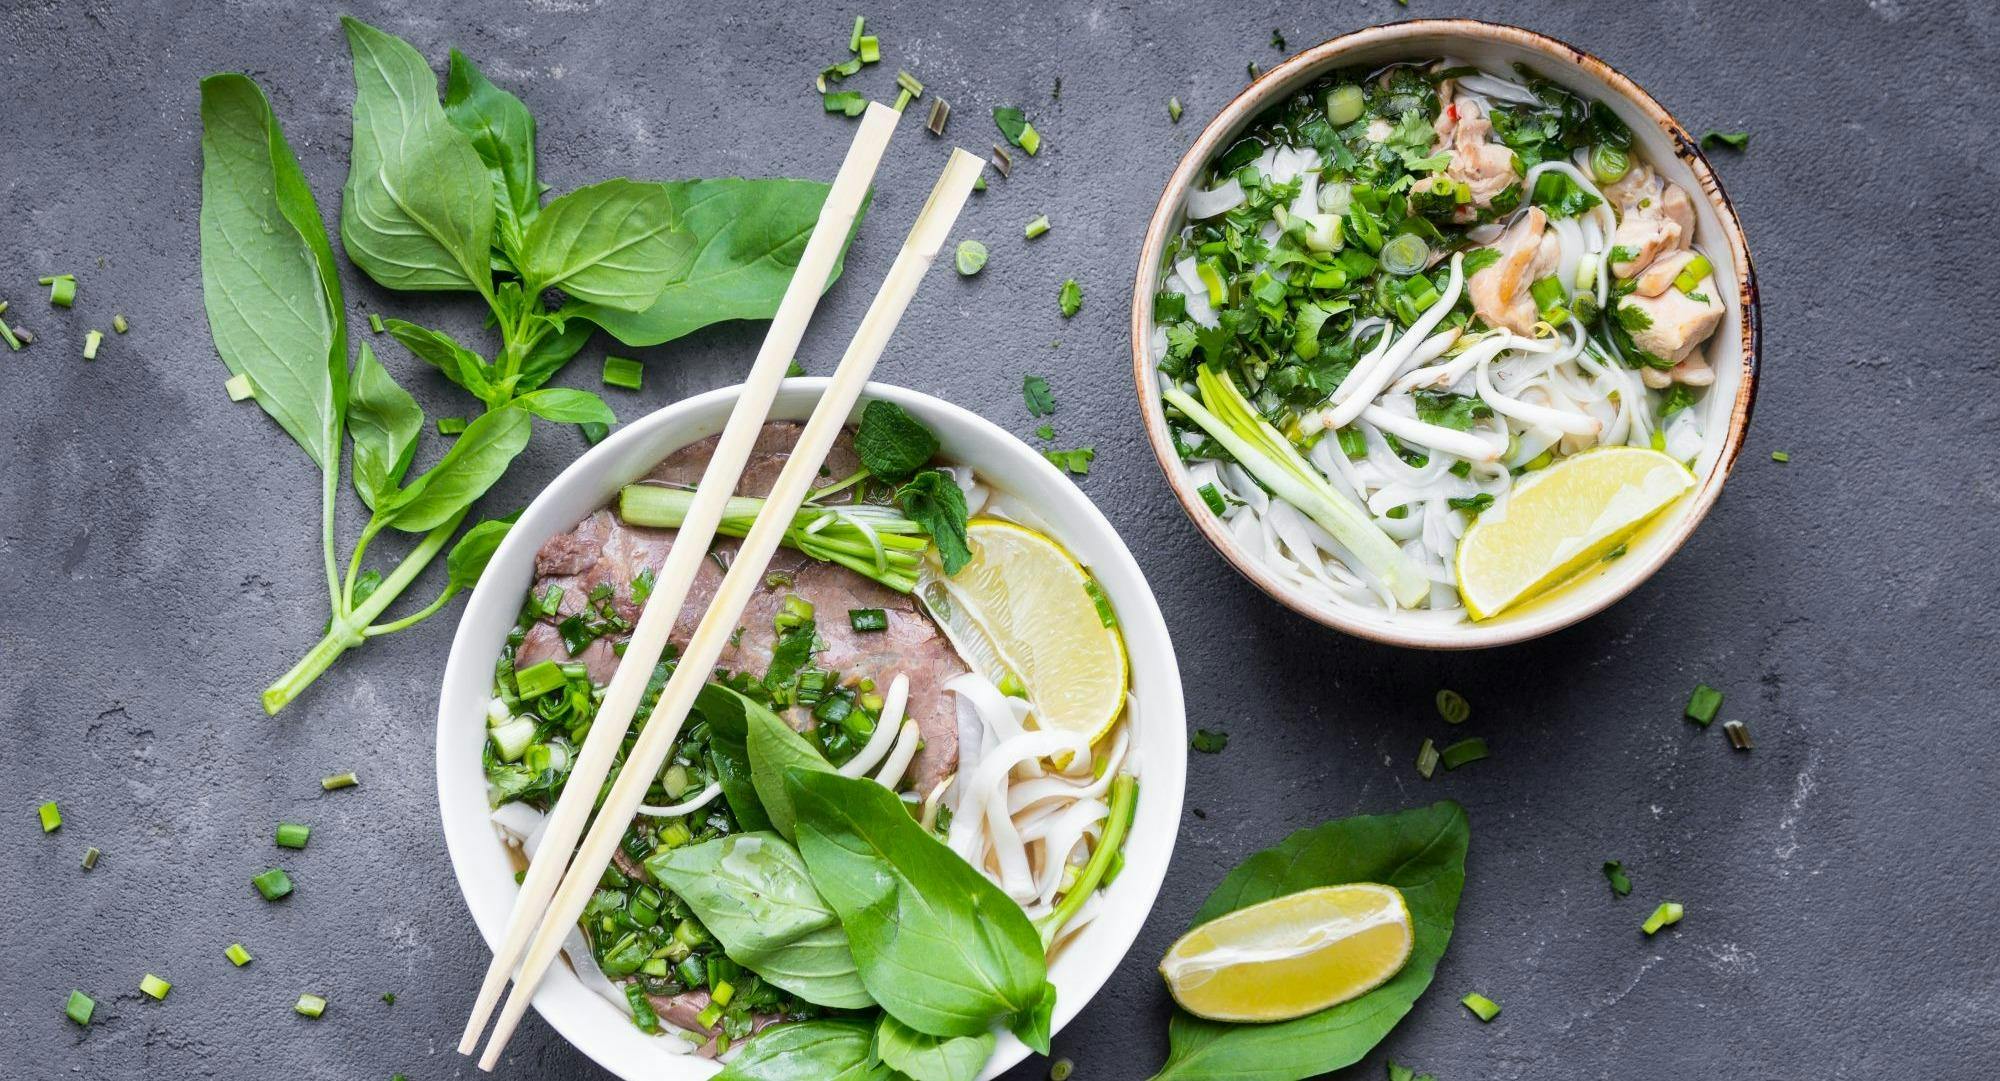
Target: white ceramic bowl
<point>480,860</point>
<point>1670,149</point>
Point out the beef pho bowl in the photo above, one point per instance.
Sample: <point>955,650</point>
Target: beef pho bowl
<point>1445,334</point>
<point>951,633</point>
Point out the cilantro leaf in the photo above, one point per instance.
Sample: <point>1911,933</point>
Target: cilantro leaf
<point>1071,298</point>
<point>1447,410</point>
<point>933,500</point>
<point>1075,461</point>
<point>1614,872</point>
<point>1035,391</point>
<point>892,443</point>
<point>1208,742</point>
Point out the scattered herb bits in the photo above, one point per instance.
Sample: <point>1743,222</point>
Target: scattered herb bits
<point>1427,759</point>
<point>339,780</point>
<point>1780,457</point>
<point>91,341</point>
<point>237,955</point>
<point>1174,109</point>
<point>1462,753</point>
<point>119,324</point>
<point>1003,163</point>
<point>1668,914</point>
<point>90,857</point>
<point>155,987</point>
<point>293,835</point>
<point>1014,125</point>
<point>451,425</point>
<point>1070,297</point>
<point>846,102</point>
<point>1614,873</point>
<point>1734,140</point>
<point>51,816</point>
<point>868,619</point>
<point>7,332</point>
<point>971,257</point>
<point>239,388</point>
<point>1212,498</point>
<point>273,884</point>
<point>1703,704</point>
<point>1045,431</point>
<point>389,997</point>
<point>62,289</point>
<point>1075,461</point>
<point>1035,392</point>
<point>624,372</point>
<point>310,1005</point>
<point>80,1007</point>
<point>1061,1069</point>
<point>940,113</point>
<point>1482,1007</point>
<point>1738,733</point>
<point>1208,742</point>
<point>1453,707</point>
<point>375,323</point>
<point>1036,227</point>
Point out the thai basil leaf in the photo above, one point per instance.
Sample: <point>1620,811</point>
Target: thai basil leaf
<point>383,420</point>
<point>417,212</point>
<point>551,351</point>
<point>566,406</point>
<point>931,1058</point>
<point>752,892</point>
<point>809,1051</point>
<point>939,947</point>
<point>267,273</point>
<point>727,714</point>
<point>470,467</point>
<point>615,244</point>
<point>1032,1027</point>
<point>441,351</point>
<point>775,749</point>
<point>748,237</point>
<point>503,135</point>
<point>1420,852</point>
<point>468,558</point>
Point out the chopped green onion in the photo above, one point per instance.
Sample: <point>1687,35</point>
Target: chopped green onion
<point>940,112</point>
<point>1697,268</point>
<point>451,425</point>
<point>1548,293</point>
<point>375,323</point>
<point>1344,105</point>
<point>1482,1007</point>
<point>310,1005</point>
<point>722,992</point>
<point>539,679</point>
<point>119,324</point>
<point>1211,496</point>
<point>273,884</point>
<point>709,1015</point>
<point>1105,614</point>
<point>903,99</point>
<point>623,372</point>
<point>1427,759</point>
<point>1453,707</point>
<point>971,257</point>
<point>1405,254</point>
<point>339,780</point>
<point>854,39</point>
<point>90,857</point>
<point>237,955</point>
<point>1174,109</point>
<point>1668,913</point>
<point>80,1007</point>
<point>1464,752</point>
<point>1738,733</point>
<point>1070,298</point>
<point>91,341</point>
<point>1037,227</point>
<point>7,332</point>
<point>1780,457</point>
<point>51,816</point>
<point>1735,140</point>
<point>293,835</point>
<point>910,84</point>
<point>1060,1069</point>
<point>845,101</point>
<point>1614,873</point>
<point>868,619</point>
<point>155,987</point>
<point>62,290</point>
<point>1609,164</point>
<point>239,388</point>
<point>1703,703</point>
<point>871,49</point>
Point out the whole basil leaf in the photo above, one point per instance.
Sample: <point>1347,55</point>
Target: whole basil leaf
<point>458,364</point>
<point>939,946</point>
<point>931,1058</point>
<point>752,892</point>
<point>616,244</point>
<point>468,558</point>
<point>470,467</point>
<point>727,714</point>
<point>1420,852</point>
<point>1032,1027</point>
<point>502,131</point>
<point>774,749</point>
<point>417,211</point>
<point>551,351</point>
<point>809,1051</point>
<point>267,273</point>
<point>566,406</point>
<point>383,420</point>
<point>748,237</point>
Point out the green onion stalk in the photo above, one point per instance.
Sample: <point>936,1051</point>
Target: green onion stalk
<point>873,541</point>
<point>1124,803</point>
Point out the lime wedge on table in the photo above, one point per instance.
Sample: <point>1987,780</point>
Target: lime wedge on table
<point>1292,955</point>
<point>1560,521</point>
<point>1023,605</point>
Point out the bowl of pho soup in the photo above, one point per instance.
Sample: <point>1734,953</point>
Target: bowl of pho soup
<point>1445,334</point>
<point>1009,710</point>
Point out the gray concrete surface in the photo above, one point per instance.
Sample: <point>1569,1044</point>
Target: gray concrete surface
<point>160,566</point>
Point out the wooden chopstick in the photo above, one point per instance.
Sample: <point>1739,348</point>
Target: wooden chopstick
<point>661,611</point>
<point>746,571</point>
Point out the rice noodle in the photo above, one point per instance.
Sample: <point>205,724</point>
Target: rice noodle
<point>886,728</point>
<point>706,796</point>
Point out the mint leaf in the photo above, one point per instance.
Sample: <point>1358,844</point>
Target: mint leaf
<point>933,500</point>
<point>892,444</point>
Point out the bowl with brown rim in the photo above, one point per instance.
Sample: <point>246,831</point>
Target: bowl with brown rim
<point>1662,141</point>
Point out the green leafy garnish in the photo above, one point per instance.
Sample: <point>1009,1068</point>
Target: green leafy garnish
<point>1035,391</point>
<point>1209,742</point>
<point>891,443</point>
<point>1075,461</point>
<point>935,501</point>
<point>1735,140</point>
<point>1614,873</point>
<point>1014,125</point>
<point>1070,297</point>
<point>1447,410</point>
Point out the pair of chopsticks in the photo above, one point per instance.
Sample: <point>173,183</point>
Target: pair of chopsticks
<point>551,898</point>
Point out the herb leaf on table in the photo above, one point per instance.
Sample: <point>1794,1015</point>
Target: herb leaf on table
<point>383,420</point>
<point>502,131</point>
<point>614,243</point>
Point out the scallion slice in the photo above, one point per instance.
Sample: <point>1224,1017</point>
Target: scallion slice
<point>539,679</point>
<point>1614,873</point>
<point>154,987</point>
<point>310,1005</point>
<point>273,884</point>
<point>1427,759</point>
<point>871,49</point>
<point>868,619</point>
<point>80,1007</point>
<point>1464,752</point>
<point>119,324</point>
<point>1174,109</point>
<point>1453,707</point>
<point>375,323</point>
<point>1666,915</point>
<point>971,257</point>
<point>854,39</point>
<point>1738,733</point>
<point>339,780</point>
<point>293,835</point>
<point>1482,1007</point>
<point>1037,227</point>
<point>62,290</point>
<point>91,341</point>
<point>452,425</point>
<point>1213,497</point>
<point>624,372</point>
<point>90,857</point>
<point>1780,457</point>
<point>239,388</point>
<point>51,816</point>
<point>237,955</point>
<point>940,112</point>
<point>1703,704</point>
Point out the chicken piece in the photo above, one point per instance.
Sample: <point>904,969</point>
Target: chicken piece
<point>1654,217</point>
<point>1674,323</point>
<point>1659,277</point>
<point>1693,371</point>
<point>1528,251</point>
<point>1482,165</point>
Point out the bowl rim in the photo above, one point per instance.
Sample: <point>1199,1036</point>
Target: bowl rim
<point>575,1012</point>
<point>1258,96</point>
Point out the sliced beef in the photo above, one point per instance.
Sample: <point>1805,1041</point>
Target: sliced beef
<point>683,1011</point>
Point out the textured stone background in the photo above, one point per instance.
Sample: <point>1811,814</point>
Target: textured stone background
<point>159,563</point>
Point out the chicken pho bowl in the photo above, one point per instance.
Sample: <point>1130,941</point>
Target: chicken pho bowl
<point>1444,333</point>
<point>977,680</point>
